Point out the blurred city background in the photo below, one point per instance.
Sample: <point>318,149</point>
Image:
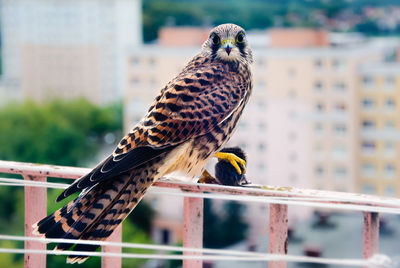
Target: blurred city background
<point>324,114</point>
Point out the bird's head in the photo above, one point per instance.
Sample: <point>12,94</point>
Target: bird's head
<point>228,42</point>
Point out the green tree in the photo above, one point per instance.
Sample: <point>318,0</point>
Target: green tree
<point>64,133</point>
<point>225,228</point>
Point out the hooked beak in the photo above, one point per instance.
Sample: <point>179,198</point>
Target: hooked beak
<point>228,44</point>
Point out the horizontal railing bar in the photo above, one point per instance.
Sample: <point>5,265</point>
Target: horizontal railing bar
<point>320,196</point>
<point>131,245</point>
<point>381,261</point>
<point>42,170</point>
<point>296,201</point>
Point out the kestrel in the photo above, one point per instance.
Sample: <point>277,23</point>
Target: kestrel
<point>194,115</point>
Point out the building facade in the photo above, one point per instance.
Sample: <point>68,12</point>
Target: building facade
<point>301,127</point>
<point>69,48</point>
<point>378,121</point>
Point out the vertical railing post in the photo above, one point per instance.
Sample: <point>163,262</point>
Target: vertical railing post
<point>35,210</point>
<point>278,233</point>
<point>193,228</point>
<point>113,262</point>
<point>371,234</point>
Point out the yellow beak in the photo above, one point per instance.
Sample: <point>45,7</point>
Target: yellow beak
<point>228,44</point>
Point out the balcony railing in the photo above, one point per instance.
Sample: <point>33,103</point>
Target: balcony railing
<point>278,198</point>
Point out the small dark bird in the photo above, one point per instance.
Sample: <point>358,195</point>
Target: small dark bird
<point>226,173</point>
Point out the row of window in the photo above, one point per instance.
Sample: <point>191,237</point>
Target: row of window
<point>319,64</point>
<point>338,128</point>
<point>370,124</point>
<point>371,189</point>
<point>338,107</point>
<point>370,147</point>
<point>369,104</point>
<point>370,82</point>
<point>337,86</point>
<point>337,151</point>
<point>338,172</point>
<point>370,170</point>
<point>136,61</point>
<point>338,64</point>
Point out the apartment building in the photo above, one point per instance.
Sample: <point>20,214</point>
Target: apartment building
<point>300,127</point>
<point>67,49</point>
<point>378,121</point>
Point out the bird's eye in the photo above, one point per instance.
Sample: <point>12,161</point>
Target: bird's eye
<point>240,38</point>
<point>215,39</point>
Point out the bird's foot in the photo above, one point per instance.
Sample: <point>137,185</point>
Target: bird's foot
<point>207,178</point>
<point>234,160</point>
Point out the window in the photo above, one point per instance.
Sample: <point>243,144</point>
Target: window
<point>368,82</point>
<point>390,171</point>
<point>368,170</point>
<point>293,157</point>
<point>339,107</point>
<point>368,104</point>
<point>389,125</point>
<point>135,80</point>
<point>319,107</point>
<point>243,145</point>
<point>319,127</point>
<point>368,125</point>
<point>292,94</point>
<point>339,86</point>
<point>368,147</point>
<point>261,147</point>
<point>390,83</point>
<point>369,189</point>
<point>152,61</point>
<point>340,128</point>
<point>261,84</point>
<point>261,105</point>
<point>338,64</point>
<point>165,236</point>
<point>292,136</point>
<point>318,64</point>
<point>389,191</point>
<point>389,149</point>
<point>261,166</point>
<point>262,126</point>
<point>318,86</point>
<point>153,82</point>
<point>340,172</point>
<point>319,171</point>
<point>390,104</point>
<point>242,125</point>
<point>135,61</point>
<point>293,178</point>
<point>339,151</point>
<point>292,73</point>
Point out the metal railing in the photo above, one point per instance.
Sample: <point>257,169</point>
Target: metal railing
<point>278,198</point>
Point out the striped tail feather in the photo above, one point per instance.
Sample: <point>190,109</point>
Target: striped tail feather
<point>96,213</point>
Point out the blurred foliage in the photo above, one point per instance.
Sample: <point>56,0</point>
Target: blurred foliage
<point>62,132</point>
<point>224,228</point>
<point>56,132</point>
<point>253,14</point>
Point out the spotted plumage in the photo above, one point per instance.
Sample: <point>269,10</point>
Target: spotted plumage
<point>189,121</point>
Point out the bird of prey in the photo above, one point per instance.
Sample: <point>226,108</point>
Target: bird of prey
<point>190,120</point>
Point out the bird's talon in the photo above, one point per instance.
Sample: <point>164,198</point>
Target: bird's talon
<point>233,160</point>
<point>207,178</point>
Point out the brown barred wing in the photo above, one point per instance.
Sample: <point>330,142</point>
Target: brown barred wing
<point>193,105</point>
